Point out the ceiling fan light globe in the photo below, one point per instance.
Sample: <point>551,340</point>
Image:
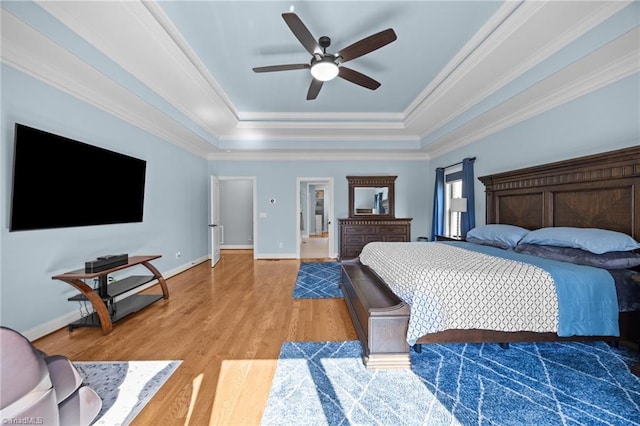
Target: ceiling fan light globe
<point>324,70</point>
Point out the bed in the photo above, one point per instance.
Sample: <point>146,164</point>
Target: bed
<point>598,191</point>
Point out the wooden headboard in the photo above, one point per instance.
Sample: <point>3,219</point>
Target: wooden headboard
<point>596,191</point>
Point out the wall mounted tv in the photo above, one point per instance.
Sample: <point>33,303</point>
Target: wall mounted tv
<point>60,182</point>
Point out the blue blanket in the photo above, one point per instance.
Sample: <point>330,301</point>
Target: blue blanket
<point>587,300</point>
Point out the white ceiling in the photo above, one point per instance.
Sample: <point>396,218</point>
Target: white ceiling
<point>459,70</point>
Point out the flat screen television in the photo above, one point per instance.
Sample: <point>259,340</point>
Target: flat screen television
<point>60,182</point>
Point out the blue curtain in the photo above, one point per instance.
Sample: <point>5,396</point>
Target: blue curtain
<point>437,224</point>
<point>468,218</point>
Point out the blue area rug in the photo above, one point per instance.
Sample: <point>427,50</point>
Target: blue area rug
<point>326,383</point>
<point>318,280</point>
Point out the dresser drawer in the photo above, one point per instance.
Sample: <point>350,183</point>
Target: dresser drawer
<point>391,229</point>
<point>357,229</point>
<point>353,239</point>
<point>356,233</point>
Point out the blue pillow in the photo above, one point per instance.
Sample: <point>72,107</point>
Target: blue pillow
<point>497,235</point>
<point>595,240</point>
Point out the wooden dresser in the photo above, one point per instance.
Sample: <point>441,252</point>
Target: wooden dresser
<point>356,232</point>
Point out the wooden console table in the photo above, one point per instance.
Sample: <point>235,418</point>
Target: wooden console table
<point>107,311</point>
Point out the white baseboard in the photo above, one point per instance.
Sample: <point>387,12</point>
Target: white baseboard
<point>63,320</point>
<point>236,247</point>
<point>276,256</point>
<point>51,326</point>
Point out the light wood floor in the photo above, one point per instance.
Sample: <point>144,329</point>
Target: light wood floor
<point>314,247</point>
<point>227,325</point>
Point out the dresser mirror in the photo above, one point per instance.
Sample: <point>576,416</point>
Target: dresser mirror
<point>371,196</point>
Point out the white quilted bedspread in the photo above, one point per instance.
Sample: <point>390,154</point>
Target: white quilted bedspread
<point>450,287</point>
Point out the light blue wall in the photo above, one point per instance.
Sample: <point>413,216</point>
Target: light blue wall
<point>175,207</point>
<point>277,179</point>
<point>604,120</point>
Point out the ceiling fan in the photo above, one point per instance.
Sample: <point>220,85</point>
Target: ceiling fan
<point>326,66</point>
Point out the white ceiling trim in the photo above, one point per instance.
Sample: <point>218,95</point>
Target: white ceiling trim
<point>473,66</point>
<point>152,56</point>
<point>313,155</point>
<point>425,98</point>
<point>319,116</point>
<point>178,63</point>
<point>260,120</point>
<point>37,56</point>
<point>613,62</point>
<point>319,137</point>
<point>161,17</point>
<point>474,79</point>
<point>321,125</point>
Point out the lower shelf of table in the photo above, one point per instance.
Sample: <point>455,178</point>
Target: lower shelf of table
<point>119,287</point>
<point>124,307</point>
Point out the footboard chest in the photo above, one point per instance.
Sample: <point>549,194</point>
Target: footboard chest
<point>379,317</point>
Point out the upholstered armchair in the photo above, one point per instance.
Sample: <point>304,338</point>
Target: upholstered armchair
<point>40,389</point>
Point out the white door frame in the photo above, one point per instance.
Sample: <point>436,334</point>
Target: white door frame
<point>214,219</point>
<point>255,205</point>
<point>325,181</point>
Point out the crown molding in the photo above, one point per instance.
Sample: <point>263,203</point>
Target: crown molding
<point>366,125</point>
<point>278,141</point>
<point>156,55</point>
<point>613,62</point>
<point>30,52</point>
<point>427,97</point>
<point>167,25</point>
<point>463,83</point>
<point>474,76</point>
<point>320,117</point>
<point>314,155</point>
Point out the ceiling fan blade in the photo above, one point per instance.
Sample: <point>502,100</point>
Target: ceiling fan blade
<point>288,67</point>
<point>302,33</point>
<point>357,78</point>
<point>314,89</point>
<point>367,45</point>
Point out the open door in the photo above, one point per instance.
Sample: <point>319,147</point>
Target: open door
<point>314,226</point>
<point>214,224</point>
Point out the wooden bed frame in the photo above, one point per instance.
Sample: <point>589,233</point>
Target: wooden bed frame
<point>598,191</point>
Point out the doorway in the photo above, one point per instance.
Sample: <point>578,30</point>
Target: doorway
<point>237,212</point>
<point>314,224</point>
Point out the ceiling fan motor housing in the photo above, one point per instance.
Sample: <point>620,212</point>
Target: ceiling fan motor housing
<point>324,42</point>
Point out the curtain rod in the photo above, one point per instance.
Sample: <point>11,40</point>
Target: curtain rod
<point>459,162</point>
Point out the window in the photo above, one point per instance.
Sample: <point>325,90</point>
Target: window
<point>454,200</point>
<point>453,189</point>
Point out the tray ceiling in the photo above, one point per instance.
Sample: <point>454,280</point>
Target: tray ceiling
<point>458,71</point>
